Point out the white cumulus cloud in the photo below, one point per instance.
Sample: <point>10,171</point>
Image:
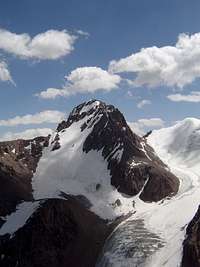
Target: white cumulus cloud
<point>143,102</point>
<point>47,116</point>
<point>141,126</point>
<point>52,44</point>
<point>192,97</point>
<point>27,134</point>
<point>83,33</point>
<point>84,80</point>
<point>176,65</point>
<point>4,72</point>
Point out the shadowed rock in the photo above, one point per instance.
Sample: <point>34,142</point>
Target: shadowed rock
<point>191,245</point>
<point>18,162</point>
<point>60,233</point>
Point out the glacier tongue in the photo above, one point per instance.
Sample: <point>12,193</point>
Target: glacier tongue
<point>179,147</point>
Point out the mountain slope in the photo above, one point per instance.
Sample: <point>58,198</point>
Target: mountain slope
<point>59,233</point>
<point>18,161</point>
<point>178,146</point>
<point>154,236</point>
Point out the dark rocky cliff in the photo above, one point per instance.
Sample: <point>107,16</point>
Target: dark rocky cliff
<point>191,245</point>
<point>60,233</point>
<point>18,161</point>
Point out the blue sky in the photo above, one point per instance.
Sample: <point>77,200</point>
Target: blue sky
<point>116,29</point>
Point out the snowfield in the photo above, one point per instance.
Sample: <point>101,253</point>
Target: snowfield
<point>179,147</point>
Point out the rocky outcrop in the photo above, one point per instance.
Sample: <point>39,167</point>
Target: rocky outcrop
<point>133,165</point>
<point>60,233</point>
<point>191,245</point>
<point>18,161</point>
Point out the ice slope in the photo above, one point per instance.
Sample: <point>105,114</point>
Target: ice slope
<point>179,144</point>
<point>179,147</point>
<point>72,171</point>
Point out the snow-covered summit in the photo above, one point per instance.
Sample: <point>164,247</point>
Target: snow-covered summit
<point>179,143</point>
<point>86,107</point>
<point>92,108</point>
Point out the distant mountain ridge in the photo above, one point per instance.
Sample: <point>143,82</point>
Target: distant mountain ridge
<point>18,162</point>
<point>182,142</point>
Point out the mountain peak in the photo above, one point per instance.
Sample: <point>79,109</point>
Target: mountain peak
<point>90,108</point>
<point>178,143</point>
<point>98,152</point>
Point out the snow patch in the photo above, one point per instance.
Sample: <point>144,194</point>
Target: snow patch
<point>17,219</point>
<point>144,150</point>
<point>87,107</point>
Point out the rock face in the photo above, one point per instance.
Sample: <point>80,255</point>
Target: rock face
<point>191,245</point>
<point>60,233</point>
<point>133,165</point>
<point>18,161</point>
